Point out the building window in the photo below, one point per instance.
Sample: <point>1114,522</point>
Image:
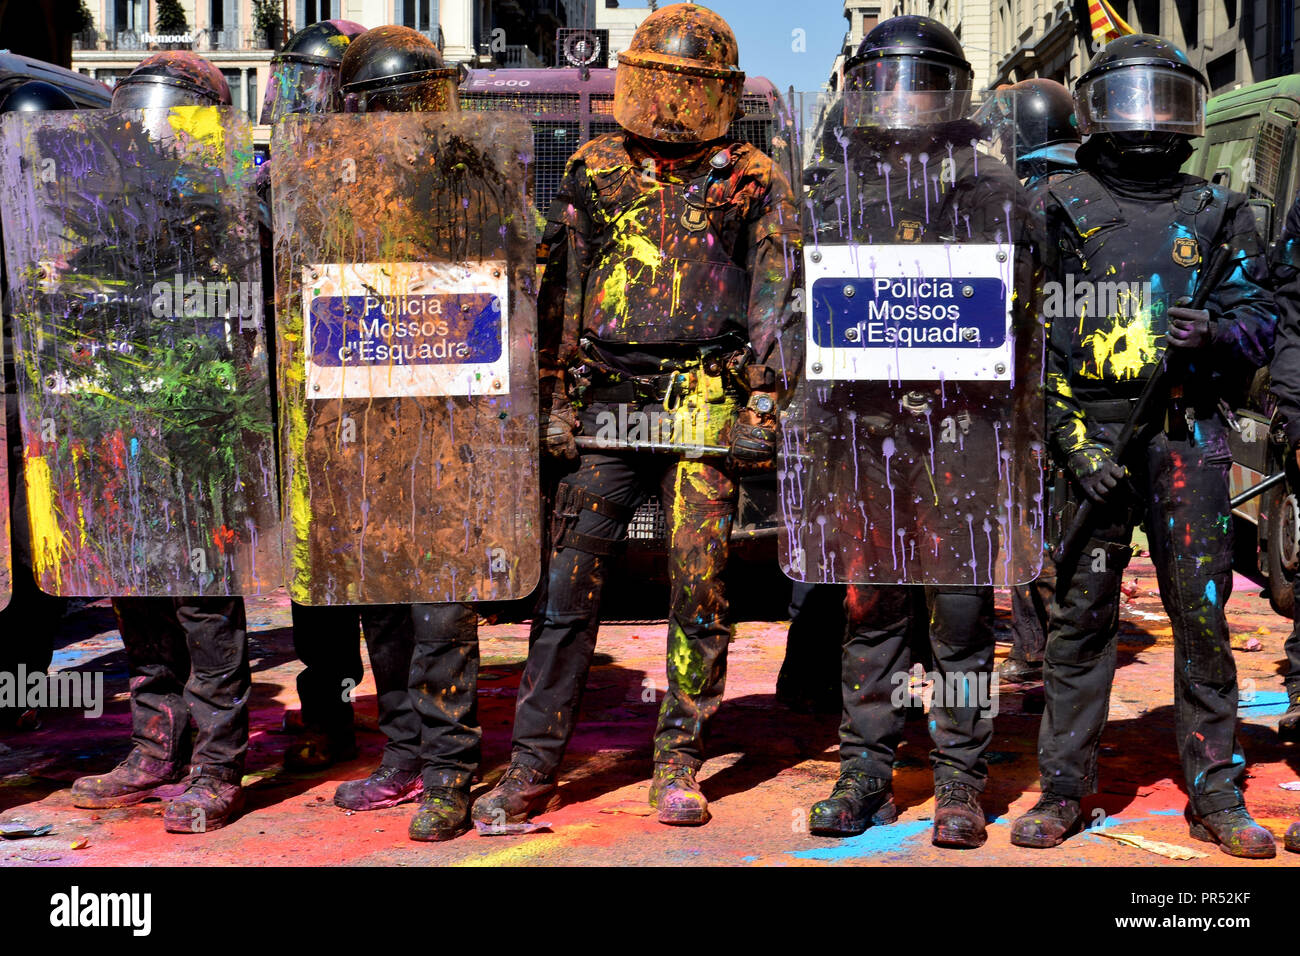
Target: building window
<point>251,98</point>
<point>217,15</point>
<point>234,79</point>
<point>130,16</point>
<point>416,14</point>
<point>313,11</point>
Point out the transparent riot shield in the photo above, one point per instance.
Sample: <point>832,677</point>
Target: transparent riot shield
<point>913,446</point>
<point>6,562</point>
<point>136,288</point>
<point>406,328</point>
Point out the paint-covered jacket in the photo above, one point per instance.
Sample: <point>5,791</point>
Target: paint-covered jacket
<point>662,253</point>
<point>1284,371</point>
<point>1126,254</point>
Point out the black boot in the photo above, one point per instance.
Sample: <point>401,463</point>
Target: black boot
<point>443,815</point>
<point>386,787</point>
<point>1235,831</point>
<point>1016,671</point>
<point>1048,823</point>
<point>958,816</point>
<point>128,783</point>
<point>857,802</point>
<point>316,748</point>
<point>208,803</point>
<point>521,792</point>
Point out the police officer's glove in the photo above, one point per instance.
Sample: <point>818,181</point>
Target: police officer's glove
<point>559,426</point>
<point>753,439</point>
<point>1096,471</point>
<point>1189,328</point>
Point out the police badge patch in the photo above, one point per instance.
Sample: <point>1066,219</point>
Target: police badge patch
<point>1186,252</point>
<point>909,230</point>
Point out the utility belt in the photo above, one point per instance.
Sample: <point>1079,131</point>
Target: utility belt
<point>1177,418</point>
<point>714,373</point>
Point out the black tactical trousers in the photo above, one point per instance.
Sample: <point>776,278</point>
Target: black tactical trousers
<point>326,639</point>
<point>876,665</point>
<point>444,692</point>
<point>188,663</point>
<point>1030,607</point>
<point>599,498</point>
<point>815,639</point>
<point>1179,486</point>
<point>1291,679</point>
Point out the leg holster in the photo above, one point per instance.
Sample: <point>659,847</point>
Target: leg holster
<point>571,505</point>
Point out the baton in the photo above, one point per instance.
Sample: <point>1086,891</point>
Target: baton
<point>1074,536</point>
<point>591,443</point>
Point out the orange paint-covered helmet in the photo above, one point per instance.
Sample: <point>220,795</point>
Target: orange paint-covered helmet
<point>679,81</point>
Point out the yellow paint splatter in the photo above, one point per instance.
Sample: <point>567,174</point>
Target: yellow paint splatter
<point>48,540</point>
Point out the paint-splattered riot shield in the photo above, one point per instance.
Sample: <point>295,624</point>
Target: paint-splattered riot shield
<point>136,291</point>
<point>6,562</point>
<point>406,326</point>
<point>913,447</point>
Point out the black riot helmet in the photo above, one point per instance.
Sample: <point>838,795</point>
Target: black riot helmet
<point>36,96</point>
<point>305,73</point>
<point>1144,93</point>
<point>1034,121</point>
<point>173,78</point>
<point>396,69</point>
<point>908,73</point>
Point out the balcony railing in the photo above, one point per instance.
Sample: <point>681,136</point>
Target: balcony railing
<point>520,56</point>
<point>231,39</point>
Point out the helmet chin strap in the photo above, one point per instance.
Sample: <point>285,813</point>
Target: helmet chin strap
<point>1145,143</point>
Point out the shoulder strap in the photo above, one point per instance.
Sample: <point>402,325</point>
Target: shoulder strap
<point>1086,203</point>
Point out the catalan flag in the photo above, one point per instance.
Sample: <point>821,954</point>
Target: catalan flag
<point>1107,25</point>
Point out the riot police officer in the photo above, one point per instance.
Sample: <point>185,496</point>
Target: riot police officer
<point>188,657</point>
<point>1136,236</point>
<point>669,268</point>
<point>31,618</point>
<point>1044,139</point>
<point>305,79</point>
<point>424,656</point>
<point>906,169</point>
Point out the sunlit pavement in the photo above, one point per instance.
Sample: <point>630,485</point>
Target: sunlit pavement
<point>769,764</point>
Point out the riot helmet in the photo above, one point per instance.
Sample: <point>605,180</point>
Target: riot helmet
<point>1142,92</point>
<point>172,78</point>
<point>305,73</point>
<point>396,69</point>
<point>1034,122</point>
<point>36,96</point>
<point>679,81</point>
<point>909,72</point>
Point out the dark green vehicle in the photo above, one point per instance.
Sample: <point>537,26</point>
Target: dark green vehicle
<point>1250,147</point>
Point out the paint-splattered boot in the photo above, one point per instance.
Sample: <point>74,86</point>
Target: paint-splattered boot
<point>1235,831</point>
<point>443,815</point>
<point>958,816</point>
<point>1053,818</point>
<point>208,803</point>
<point>1292,839</point>
<point>386,787</point>
<point>677,797</point>
<point>857,802</point>
<point>316,748</point>
<point>135,779</point>
<point>521,792</point>
<point>1016,671</point>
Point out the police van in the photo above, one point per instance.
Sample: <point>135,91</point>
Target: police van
<point>1250,147</point>
<point>567,106</point>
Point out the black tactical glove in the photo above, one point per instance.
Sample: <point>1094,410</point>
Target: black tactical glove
<point>753,439</point>
<point>1097,472</point>
<point>559,426</point>
<point>1189,328</point>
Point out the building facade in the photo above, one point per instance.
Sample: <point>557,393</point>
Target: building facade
<point>487,33</point>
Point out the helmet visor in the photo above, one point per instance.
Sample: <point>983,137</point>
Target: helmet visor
<point>433,92</point>
<point>905,92</point>
<point>675,106</point>
<point>141,94</point>
<point>1141,98</point>
<point>301,88</point>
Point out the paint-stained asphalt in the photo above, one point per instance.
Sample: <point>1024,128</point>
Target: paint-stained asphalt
<point>768,766</point>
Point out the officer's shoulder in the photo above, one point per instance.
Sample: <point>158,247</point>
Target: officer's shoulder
<point>605,150</point>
